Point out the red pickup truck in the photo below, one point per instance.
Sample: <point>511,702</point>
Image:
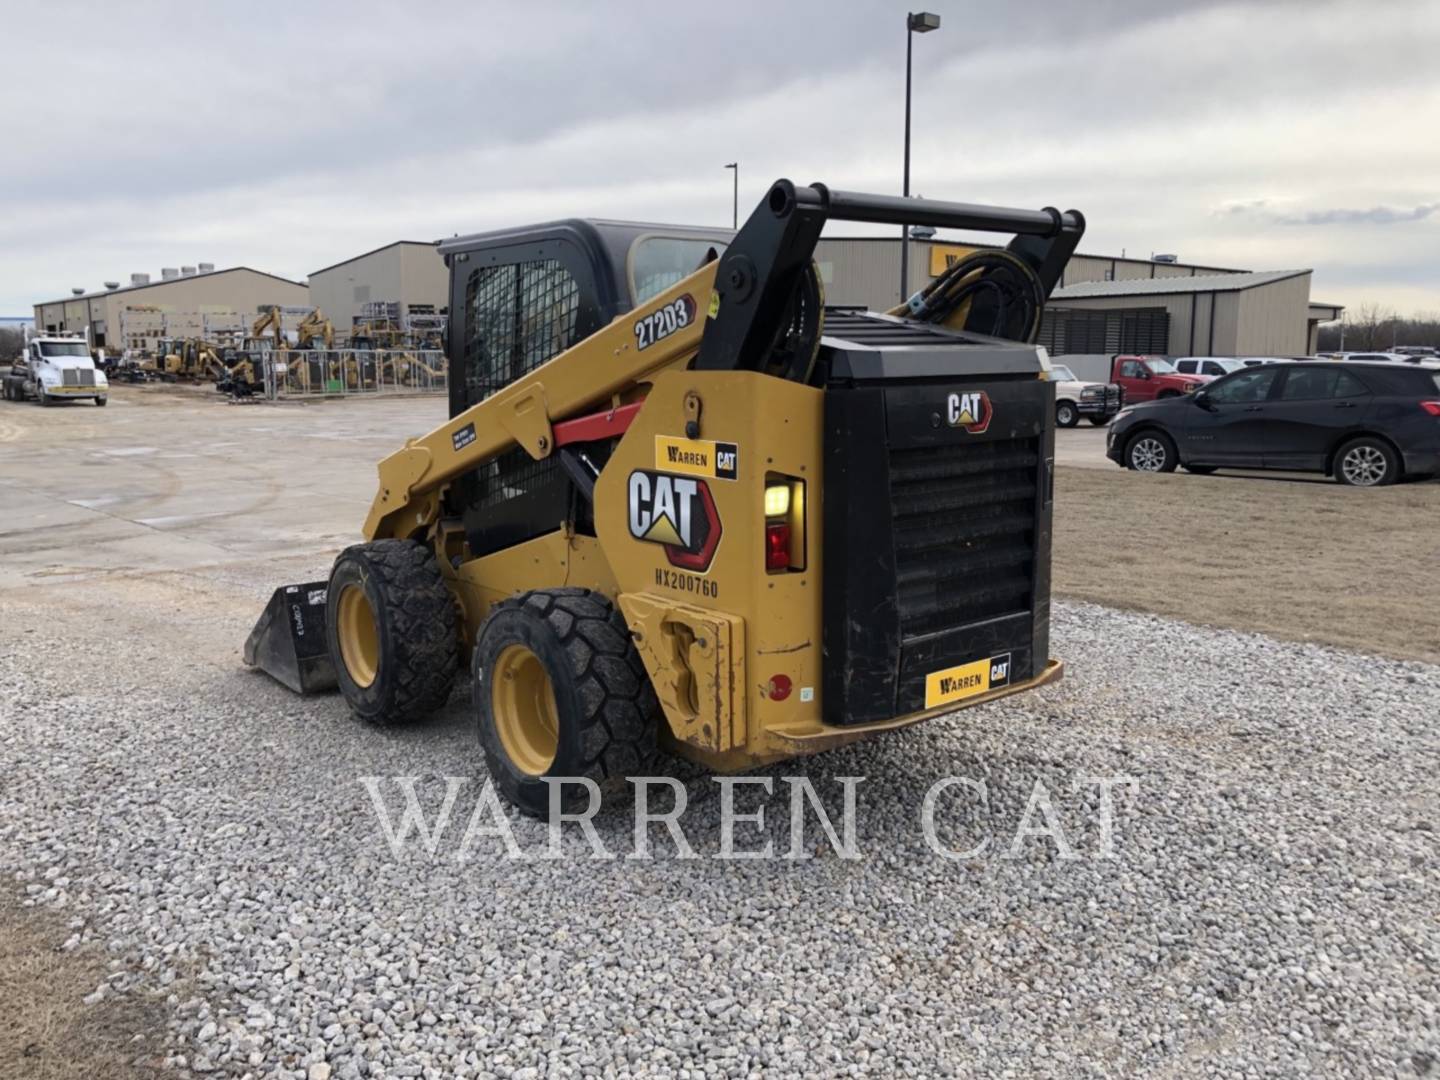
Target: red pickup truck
<point>1149,378</point>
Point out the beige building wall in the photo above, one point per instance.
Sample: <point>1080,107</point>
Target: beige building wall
<point>424,277</point>
<point>403,273</point>
<point>865,272</point>
<point>239,290</point>
<point>1273,320</point>
<point>1266,320</point>
<point>1086,268</point>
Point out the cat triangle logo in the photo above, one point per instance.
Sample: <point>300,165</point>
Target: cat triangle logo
<point>663,532</point>
<point>969,409</point>
<point>676,512</point>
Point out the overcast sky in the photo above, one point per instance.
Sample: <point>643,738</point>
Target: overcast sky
<point>288,136</point>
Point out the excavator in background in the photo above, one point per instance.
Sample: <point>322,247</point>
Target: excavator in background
<point>678,502</point>
<point>184,358</point>
<point>315,332</point>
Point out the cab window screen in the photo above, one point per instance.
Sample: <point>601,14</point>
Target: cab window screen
<point>517,316</point>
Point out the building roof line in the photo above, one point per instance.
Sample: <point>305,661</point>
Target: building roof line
<point>1163,286</point>
<point>374,251</point>
<point>1077,255</point>
<point>165,281</point>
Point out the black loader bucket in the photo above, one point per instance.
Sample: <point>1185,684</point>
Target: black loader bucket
<point>288,643</point>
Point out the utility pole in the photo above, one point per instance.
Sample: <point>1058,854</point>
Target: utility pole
<point>734,166</point>
<point>916,22</point>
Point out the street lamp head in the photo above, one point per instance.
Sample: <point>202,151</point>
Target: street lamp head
<point>922,22</point>
<point>733,165</point>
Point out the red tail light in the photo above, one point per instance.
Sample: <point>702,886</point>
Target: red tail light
<point>1432,407</point>
<point>777,546</point>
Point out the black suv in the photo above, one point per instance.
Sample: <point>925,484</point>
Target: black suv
<point>1364,423</point>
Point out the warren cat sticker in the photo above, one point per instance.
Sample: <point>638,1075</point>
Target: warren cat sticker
<point>969,409</point>
<point>659,325</point>
<point>676,512</point>
<point>966,681</point>
<point>697,457</point>
<point>463,438</point>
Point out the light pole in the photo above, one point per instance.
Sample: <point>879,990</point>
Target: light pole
<point>735,205</point>
<point>916,22</point>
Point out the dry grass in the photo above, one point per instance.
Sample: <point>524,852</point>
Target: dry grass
<point>1303,560</point>
<point>48,1033</point>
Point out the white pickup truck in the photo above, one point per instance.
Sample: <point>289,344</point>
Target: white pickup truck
<point>1097,402</point>
<point>56,369</point>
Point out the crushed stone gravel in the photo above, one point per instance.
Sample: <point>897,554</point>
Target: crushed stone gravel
<point>1270,908</point>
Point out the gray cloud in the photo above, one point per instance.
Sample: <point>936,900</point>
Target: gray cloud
<point>310,132</point>
<point>1375,215</point>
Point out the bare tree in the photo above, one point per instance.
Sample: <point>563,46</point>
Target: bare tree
<point>12,343</point>
<point>1375,327</point>
<point>1369,329</point>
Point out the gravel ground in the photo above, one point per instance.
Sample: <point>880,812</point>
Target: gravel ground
<point>1270,909</point>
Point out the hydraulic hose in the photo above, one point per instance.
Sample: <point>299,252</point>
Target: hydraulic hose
<point>992,292</point>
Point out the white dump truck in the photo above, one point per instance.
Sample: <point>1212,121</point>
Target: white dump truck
<point>56,369</point>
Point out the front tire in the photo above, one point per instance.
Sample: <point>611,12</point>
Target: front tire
<point>393,631</point>
<point>1066,415</point>
<point>41,396</point>
<point>559,690</point>
<point>1151,452</point>
<point>1367,462</point>
<point>102,401</point>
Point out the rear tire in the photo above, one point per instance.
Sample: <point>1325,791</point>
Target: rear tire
<point>1367,462</point>
<point>1151,452</point>
<point>393,631</point>
<point>1066,415</point>
<point>559,690</point>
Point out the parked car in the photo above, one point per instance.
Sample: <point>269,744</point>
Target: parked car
<point>1386,357</point>
<point>1097,402</point>
<point>1365,423</point>
<point>1214,366</point>
<point>1258,361</point>
<point>1149,378</point>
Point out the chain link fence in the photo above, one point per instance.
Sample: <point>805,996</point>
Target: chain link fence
<point>308,373</point>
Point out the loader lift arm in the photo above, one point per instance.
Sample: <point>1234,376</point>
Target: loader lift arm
<point>739,306</point>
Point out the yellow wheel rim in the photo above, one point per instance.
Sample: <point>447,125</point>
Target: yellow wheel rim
<point>522,700</point>
<point>358,635</point>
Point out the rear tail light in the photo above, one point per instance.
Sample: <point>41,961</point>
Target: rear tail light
<point>777,546</point>
<point>784,523</point>
<point>1432,407</point>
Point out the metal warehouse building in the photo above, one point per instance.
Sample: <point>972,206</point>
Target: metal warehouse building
<point>407,272</point>
<point>239,290</point>
<point>1108,304</point>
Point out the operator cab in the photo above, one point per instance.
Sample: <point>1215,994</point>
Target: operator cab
<point>518,298</point>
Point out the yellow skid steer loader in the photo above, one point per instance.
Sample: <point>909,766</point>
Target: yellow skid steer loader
<point>680,503</point>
